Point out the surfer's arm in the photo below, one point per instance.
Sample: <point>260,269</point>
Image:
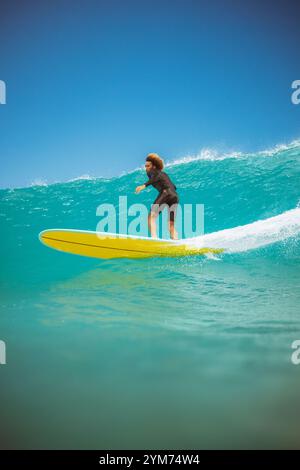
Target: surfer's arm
<point>153,179</point>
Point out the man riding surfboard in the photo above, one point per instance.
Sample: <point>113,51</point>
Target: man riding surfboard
<point>167,196</point>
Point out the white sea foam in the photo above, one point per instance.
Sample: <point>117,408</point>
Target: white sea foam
<point>251,236</point>
<point>205,154</point>
<point>280,148</point>
<point>211,154</point>
<point>39,182</point>
<point>44,182</point>
<point>82,177</point>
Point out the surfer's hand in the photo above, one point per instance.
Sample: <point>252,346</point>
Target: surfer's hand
<point>138,189</point>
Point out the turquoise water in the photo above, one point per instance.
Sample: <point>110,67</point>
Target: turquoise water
<point>158,353</point>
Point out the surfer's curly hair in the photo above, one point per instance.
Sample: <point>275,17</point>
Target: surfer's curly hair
<point>155,160</point>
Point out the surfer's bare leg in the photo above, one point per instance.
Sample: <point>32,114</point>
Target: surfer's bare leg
<point>152,224</point>
<point>172,230</point>
<point>172,216</point>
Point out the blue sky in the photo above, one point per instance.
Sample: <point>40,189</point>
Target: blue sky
<point>93,86</point>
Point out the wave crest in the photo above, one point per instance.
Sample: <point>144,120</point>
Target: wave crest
<point>254,235</point>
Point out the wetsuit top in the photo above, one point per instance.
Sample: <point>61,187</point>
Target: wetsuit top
<point>160,181</point>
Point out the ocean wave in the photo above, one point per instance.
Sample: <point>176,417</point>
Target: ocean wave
<point>83,178</point>
<point>251,236</point>
<point>37,182</point>
<point>206,154</point>
<point>210,154</point>
<point>280,148</point>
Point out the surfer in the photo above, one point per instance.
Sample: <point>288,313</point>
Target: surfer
<point>167,196</point>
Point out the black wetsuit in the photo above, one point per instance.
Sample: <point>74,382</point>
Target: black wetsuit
<point>167,193</point>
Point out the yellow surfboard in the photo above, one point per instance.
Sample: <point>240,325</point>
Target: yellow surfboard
<point>111,245</point>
